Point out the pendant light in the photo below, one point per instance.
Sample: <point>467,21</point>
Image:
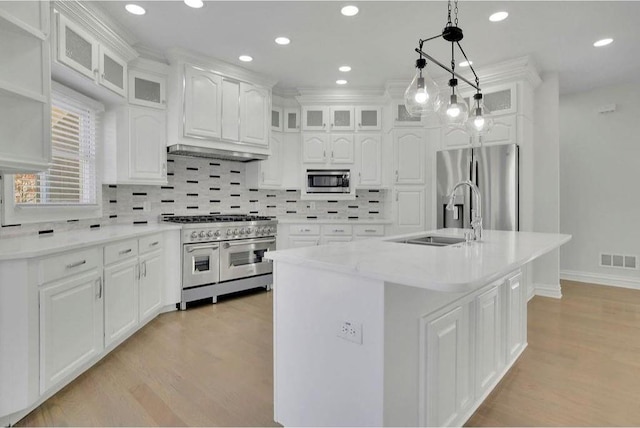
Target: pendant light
<point>455,111</point>
<point>422,95</point>
<point>480,121</point>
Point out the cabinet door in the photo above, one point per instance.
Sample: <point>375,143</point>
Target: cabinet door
<point>314,148</point>
<point>368,118</point>
<point>70,326</point>
<point>516,316</point>
<point>272,168</point>
<point>403,118</point>
<point>254,114</point>
<point>455,137</point>
<point>369,160</point>
<point>147,89</point>
<point>202,103</point>
<point>151,283</point>
<point>341,119</point>
<point>77,48</point>
<point>409,156</point>
<point>276,119</point>
<point>503,131</point>
<point>341,149</point>
<point>328,240</point>
<point>120,300</point>
<point>291,120</point>
<point>300,242</point>
<point>489,348</point>
<point>113,72</point>
<point>409,208</point>
<point>147,144</point>
<point>315,118</point>
<point>230,110</point>
<point>445,362</point>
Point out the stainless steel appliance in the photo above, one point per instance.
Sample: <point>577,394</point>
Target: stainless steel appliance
<point>224,253</point>
<point>328,181</point>
<point>494,169</point>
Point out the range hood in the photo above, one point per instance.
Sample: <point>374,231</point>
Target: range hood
<point>207,152</point>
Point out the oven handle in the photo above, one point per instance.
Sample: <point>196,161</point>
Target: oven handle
<point>238,244</point>
<point>202,247</point>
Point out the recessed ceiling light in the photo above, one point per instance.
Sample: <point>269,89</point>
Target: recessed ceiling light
<point>603,42</point>
<point>282,40</point>
<point>465,63</point>
<point>344,68</point>
<point>196,4</point>
<point>245,58</point>
<point>135,9</point>
<point>341,82</point>
<point>498,16</point>
<point>349,10</point>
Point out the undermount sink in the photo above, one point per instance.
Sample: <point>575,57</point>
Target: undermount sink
<point>432,240</point>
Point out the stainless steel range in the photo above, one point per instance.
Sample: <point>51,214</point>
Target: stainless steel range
<point>224,253</point>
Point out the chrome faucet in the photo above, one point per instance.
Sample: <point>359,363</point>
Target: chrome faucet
<point>476,214</point>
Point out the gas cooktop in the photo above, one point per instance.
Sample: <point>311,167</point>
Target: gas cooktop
<point>221,218</point>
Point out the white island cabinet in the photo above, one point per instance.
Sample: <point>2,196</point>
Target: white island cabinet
<point>386,333</point>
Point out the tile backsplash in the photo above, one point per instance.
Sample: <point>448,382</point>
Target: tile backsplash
<point>209,186</point>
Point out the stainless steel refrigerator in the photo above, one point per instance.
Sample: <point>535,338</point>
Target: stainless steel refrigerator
<point>494,169</point>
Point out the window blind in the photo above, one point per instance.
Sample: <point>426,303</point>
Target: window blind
<point>71,180</point>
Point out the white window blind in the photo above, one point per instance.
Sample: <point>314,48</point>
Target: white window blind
<point>71,180</point>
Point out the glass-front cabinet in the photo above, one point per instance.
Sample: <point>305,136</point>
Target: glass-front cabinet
<point>368,118</point>
<point>341,118</point>
<point>113,72</point>
<point>146,89</point>
<point>291,120</point>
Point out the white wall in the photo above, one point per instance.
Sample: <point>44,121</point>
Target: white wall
<point>599,182</point>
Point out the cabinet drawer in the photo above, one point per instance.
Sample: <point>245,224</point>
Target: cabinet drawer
<point>369,230</point>
<point>337,230</point>
<point>120,251</point>
<point>150,243</point>
<point>304,229</point>
<point>59,266</point>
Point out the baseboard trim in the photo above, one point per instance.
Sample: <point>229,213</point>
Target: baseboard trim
<point>548,290</point>
<point>601,279</point>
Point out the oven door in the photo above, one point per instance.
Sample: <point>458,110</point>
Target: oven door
<point>200,264</point>
<point>242,259</point>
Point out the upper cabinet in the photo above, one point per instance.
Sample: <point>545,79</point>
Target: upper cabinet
<point>341,118</point>
<point>202,103</point>
<point>276,119</point>
<point>291,120</point>
<point>409,156</point>
<point>368,118</point>
<point>147,89</point>
<point>255,105</point>
<point>315,118</point>
<point>25,87</point>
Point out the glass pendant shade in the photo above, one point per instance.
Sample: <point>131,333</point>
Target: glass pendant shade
<point>422,95</point>
<point>480,121</point>
<point>454,111</point>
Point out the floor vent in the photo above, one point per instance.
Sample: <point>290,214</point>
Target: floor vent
<point>618,261</point>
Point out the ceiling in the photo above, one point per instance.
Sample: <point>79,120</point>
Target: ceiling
<point>378,43</point>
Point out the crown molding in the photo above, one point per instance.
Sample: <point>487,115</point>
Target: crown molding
<point>179,55</point>
<point>150,53</point>
<point>285,92</point>
<point>341,96</point>
<point>99,24</point>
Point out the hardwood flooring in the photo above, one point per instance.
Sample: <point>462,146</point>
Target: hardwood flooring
<point>213,366</point>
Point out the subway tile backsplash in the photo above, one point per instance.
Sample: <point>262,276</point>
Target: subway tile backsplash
<point>206,186</point>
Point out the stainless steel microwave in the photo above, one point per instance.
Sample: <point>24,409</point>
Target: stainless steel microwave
<point>328,181</point>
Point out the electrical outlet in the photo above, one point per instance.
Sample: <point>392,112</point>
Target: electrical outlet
<point>350,331</point>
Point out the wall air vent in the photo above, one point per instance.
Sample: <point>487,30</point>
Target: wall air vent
<point>618,261</point>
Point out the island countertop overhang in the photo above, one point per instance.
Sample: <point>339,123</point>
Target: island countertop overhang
<point>454,268</point>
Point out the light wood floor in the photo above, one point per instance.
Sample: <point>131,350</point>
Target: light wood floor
<point>213,366</point>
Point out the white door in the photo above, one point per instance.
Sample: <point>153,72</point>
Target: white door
<point>303,241</point>
<point>445,362</point>
<point>77,48</point>
<point>120,300</point>
<point>409,156</point>
<point>276,119</point>
<point>70,326</point>
<point>254,112</point>
<point>202,103</point>
<point>489,349</point>
<point>291,120</point>
<point>272,168</point>
<point>341,149</point>
<point>315,119</point>
<point>341,118</point>
<point>455,137</point>
<point>516,316</point>
<point>147,90</point>
<point>147,144</point>
<point>151,284</point>
<point>368,118</point>
<point>409,209</point>
<point>503,131</point>
<point>369,160</point>
<point>314,148</point>
<point>113,72</point>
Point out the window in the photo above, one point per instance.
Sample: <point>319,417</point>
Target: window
<point>70,188</point>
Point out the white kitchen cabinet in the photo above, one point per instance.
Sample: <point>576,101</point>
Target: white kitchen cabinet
<point>328,240</point>
<point>307,234</point>
<point>503,131</point>
<point>409,156</point>
<point>150,293</point>
<point>402,118</point>
<point>489,355</point>
<point>112,71</point>
<point>341,118</point>
<point>368,118</point>
<point>147,89</point>
<point>341,149</point>
<point>445,367</point>
<point>255,105</point>
<point>368,160</point>
<point>455,137</point>
<point>276,119</point>
<point>315,118</point>
<point>268,173</point>
<point>303,241</point>
<point>331,149</point>
<point>202,103</point>
<point>314,147</point>
<point>230,110</point>
<point>135,146</point>
<point>409,209</point>
<point>291,119</point>
<point>121,300</point>
<point>516,316</point>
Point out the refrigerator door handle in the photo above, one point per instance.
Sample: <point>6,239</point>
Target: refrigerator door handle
<point>475,172</point>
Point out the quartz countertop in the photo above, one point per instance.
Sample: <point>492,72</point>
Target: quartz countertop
<point>304,220</point>
<point>36,246</point>
<point>455,268</point>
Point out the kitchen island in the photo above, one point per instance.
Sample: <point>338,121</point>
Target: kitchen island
<point>387,333</point>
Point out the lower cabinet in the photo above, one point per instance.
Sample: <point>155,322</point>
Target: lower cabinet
<point>516,317</point>
<point>150,295</point>
<point>121,300</point>
<point>71,325</point>
<point>303,241</point>
<point>310,235</point>
<point>489,344</point>
<point>409,208</point>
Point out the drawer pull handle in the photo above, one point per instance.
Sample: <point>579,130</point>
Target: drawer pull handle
<point>338,230</point>
<point>370,230</point>
<point>123,252</point>
<point>305,230</point>
<point>153,244</point>
<point>76,264</point>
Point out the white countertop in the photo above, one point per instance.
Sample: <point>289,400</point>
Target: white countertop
<point>455,268</point>
<point>35,246</point>
<point>303,220</point>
